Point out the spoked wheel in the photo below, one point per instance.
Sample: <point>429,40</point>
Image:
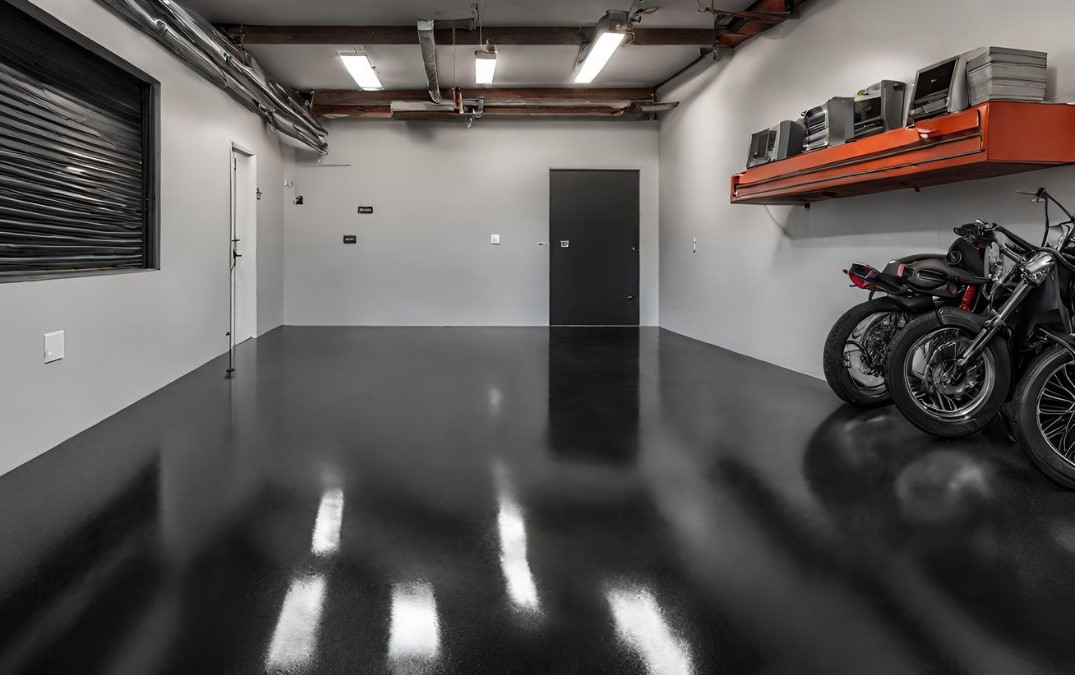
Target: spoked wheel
<point>856,351</point>
<point>1045,415</point>
<point>933,391</point>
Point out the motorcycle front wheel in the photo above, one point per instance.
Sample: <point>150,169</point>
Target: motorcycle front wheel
<point>856,352</point>
<point>1045,415</point>
<point>933,392</point>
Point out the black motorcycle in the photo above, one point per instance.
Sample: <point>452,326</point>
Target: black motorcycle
<point>950,372</point>
<point>856,350</point>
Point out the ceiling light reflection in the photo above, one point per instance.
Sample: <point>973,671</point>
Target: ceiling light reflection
<point>496,399</point>
<point>641,623</point>
<point>294,641</point>
<point>326,538</point>
<point>513,560</point>
<point>414,634</point>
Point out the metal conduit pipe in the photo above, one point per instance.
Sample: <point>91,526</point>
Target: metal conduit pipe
<point>429,56</point>
<point>207,51</point>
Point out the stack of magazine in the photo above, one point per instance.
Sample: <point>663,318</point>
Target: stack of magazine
<point>1003,74</point>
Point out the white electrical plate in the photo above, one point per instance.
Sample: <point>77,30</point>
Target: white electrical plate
<point>495,240</point>
<point>53,346</point>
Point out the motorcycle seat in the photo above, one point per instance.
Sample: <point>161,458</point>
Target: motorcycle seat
<point>938,270</point>
<point>907,260</point>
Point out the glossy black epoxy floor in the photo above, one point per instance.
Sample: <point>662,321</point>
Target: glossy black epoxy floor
<point>526,500</point>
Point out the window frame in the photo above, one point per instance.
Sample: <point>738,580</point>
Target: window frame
<point>151,155</point>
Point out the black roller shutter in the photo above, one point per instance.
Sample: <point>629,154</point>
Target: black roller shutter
<point>76,194</point>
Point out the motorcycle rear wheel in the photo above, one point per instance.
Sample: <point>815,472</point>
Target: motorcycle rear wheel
<point>1045,415</point>
<point>856,352</point>
<point>932,392</point>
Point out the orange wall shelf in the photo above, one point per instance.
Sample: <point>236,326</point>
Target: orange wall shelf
<point>992,139</point>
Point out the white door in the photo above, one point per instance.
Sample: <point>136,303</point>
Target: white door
<point>244,232</point>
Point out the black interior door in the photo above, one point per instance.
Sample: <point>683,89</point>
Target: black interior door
<point>593,261</point>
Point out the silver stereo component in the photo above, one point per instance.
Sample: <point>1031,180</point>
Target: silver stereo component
<point>780,142</point>
<point>941,89</point>
<point>879,108</point>
<point>831,123</point>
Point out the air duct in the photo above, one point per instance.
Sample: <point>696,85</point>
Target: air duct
<point>429,56</point>
<point>210,53</point>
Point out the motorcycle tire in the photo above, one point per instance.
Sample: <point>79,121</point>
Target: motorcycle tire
<point>834,357</point>
<point>1041,404</point>
<point>929,409</point>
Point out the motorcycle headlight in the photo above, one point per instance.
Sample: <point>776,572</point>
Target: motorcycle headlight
<point>1038,268</point>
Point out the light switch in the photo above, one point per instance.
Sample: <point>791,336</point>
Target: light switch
<point>495,240</point>
<point>53,346</point>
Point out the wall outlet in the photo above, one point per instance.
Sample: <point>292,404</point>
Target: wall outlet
<point>495,240</point>
<point>53,346</point>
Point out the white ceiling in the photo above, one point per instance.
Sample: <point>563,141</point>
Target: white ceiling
<point>311,67</point>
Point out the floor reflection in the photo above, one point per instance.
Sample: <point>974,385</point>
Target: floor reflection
<point>511,528</point>
<point>526,500</point>
<point>965,520</point>
<point>295,639</point>
<point>414,637</point>
<point>326,537</point>
<point>640,622</point>
<point>594,394</point>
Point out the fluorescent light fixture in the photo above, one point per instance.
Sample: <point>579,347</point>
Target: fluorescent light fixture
<point>610,34</point>
<point>358,64</point>
<point>326,537</point>
<point>485,65</point>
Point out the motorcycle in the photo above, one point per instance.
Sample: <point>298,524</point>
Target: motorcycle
<point>856,350</point>
<point>950,372</point>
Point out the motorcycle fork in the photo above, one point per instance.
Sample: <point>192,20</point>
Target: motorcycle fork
<point>996,324</point>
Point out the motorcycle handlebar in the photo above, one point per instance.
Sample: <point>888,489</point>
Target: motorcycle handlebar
<point>1061,258</point>
<point>1019,242</point>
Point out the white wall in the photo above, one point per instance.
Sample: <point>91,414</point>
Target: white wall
<point>767,281</point>
<point>439,191</point>
<point>130,334</point>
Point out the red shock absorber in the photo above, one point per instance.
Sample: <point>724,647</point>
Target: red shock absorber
<point>968,298</point>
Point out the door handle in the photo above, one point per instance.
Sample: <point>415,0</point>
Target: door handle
<point>630,297</point>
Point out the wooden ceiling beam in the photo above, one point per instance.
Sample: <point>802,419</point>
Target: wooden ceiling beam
<point>382,112</point>
<point>408,35</point>
<point>763,17</point>
<point>385,112</point>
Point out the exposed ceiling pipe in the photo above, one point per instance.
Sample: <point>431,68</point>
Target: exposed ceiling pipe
<point>470,104</point>
<point>429,56</point>
<point>203,48</point>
